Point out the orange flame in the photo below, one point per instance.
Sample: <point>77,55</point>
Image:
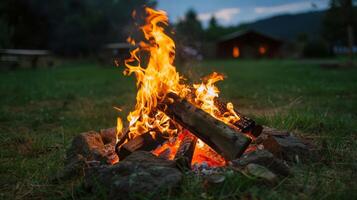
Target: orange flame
<point>206,93</point>
<point>156,79</point>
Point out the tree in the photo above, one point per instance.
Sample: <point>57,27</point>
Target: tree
<point>85,26</point>
<point>29,26</point>
<point>213,31</point>
<point>340,22</point>
<point>68,27</point>
<point>5,35</point>
<point>213,24</point>
<point>189,30</point>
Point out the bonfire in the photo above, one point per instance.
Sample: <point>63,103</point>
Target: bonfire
<point>176,127</point>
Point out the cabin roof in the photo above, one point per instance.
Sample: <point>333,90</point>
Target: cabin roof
<point>245,32</point>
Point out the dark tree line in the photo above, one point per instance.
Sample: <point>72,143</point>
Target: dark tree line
<point>68,27</point>
<point>339,17</point>
<point>340,23</point>
<point>81,27</point>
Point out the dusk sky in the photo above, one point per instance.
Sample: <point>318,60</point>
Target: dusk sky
<point>232,12</point>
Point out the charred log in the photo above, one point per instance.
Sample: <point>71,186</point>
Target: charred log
<point>245,124</point>
<point>225,140</point>
<point>144,142</point>
<point>185,151</point>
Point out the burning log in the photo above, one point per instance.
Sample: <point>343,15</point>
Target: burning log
<point>185,151</point>
<point>144,142</point>
<point>245,124</point>
<point>219,136</point>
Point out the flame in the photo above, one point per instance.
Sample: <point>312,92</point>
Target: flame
<point>206,93</point>
<point>119,130</point>
<point>158,77</point>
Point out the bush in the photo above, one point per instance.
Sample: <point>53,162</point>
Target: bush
<point>316,49</point>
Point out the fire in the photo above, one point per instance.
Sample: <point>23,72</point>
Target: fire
<point>119,130</point>
<point>205,94</point>
<point>156,79</point>
<point>202,153</point>
<point>159,77</point>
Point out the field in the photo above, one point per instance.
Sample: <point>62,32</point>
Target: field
<point>42,110</point>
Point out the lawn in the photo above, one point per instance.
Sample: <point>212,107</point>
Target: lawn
<point>42,110</point>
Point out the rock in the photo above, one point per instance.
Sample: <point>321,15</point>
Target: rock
<point>261,172</point>
<point>141,173</point>
<point>284,145</point>
<point>294,149</point>
<point>271,145</point>
<point>86,148</point>
<point>215,178</point>
<point>263,158</point>
<point>108,135</point>
<point>275,132</point>
<point>289,148</point>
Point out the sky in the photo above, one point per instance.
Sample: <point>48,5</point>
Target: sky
<point>233,12</point>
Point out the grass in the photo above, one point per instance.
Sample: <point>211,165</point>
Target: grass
<point>42,110</point>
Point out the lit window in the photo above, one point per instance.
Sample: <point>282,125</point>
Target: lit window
<point>236,52</point>
<point>262,50</point>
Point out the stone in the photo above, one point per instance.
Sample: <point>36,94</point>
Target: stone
<point>263,158</point>
<point>215,178</point>
<point>289,148</point>
<point>261,172</point>
<point>108,135</point>
<point>275,132</point>
<point>284,145</point>
<point>141,173</point>
<point>86,148</point>
<point>270,144</point>
<point>293,149</point>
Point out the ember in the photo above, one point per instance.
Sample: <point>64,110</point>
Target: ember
<point>166,107</point>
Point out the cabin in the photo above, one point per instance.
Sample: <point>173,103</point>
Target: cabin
<point>248,44</point>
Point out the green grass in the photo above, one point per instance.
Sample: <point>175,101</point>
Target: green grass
<point>42,110</point>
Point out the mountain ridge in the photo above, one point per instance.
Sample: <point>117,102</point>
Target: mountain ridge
<point>290,26</point>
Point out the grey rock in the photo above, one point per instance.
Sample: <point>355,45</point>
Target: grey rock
<point>261,172</point>
<point>292,148</point>
<point>215,178</point>
<point>273,131</point>
<point>141,173</point>
<point>263,158</point>
<point>285,146</point>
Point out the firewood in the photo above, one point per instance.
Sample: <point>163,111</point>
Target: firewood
<point>185,151</point>
<point>225,140</point>
<point>245,124</point>
<point>144,142</point>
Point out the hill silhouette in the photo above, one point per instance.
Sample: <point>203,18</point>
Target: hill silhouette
<point>289,26</point>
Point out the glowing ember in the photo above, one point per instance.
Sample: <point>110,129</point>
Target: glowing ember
<point>159,77</point>
<point>202,153</point>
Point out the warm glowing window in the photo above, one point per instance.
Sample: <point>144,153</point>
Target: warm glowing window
<point>262,50</point>
<point>236,52</point>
